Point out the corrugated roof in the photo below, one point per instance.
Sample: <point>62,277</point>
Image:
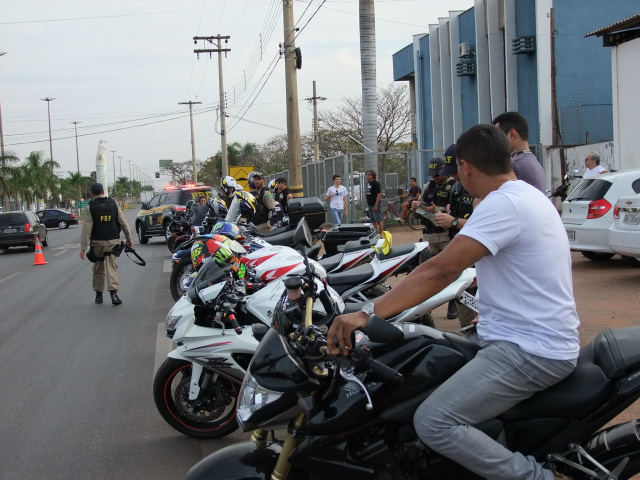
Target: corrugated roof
<point>621,25</point>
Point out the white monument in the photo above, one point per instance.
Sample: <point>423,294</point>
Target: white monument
<point>101,164</point>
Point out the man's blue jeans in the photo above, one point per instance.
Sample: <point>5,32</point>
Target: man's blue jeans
<point>337,215</point>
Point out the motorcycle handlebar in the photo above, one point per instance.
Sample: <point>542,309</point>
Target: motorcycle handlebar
<point>234,323</point>
<point>387,373</point>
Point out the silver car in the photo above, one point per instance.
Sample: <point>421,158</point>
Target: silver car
<point>624,233</point>
<point>587,213</point>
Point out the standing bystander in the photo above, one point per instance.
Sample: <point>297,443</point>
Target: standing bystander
<point>374,195</point>
<point>338,195</point>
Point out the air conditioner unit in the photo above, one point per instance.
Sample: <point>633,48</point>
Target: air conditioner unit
<point>465,51</point>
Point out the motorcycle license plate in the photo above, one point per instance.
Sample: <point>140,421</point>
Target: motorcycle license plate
<point>631,218</point>
<point>572,235</point>
<point>14,230</point>
<point>468,300</point>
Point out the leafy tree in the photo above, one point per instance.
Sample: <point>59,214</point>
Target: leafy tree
<point>7,185</point>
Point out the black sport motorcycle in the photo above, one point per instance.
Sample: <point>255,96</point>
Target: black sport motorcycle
<point>351,417</point>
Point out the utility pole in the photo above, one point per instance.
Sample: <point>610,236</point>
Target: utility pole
<point>75,125</point>
<point>193,145</point>
<point>5,197</point>
<point>49,100</point>
<point>292,61</point>
<point>130,183</point>
<point>223,123</point>
<point>316,141</point>
<point>120,165</point>
<point>113,152</point>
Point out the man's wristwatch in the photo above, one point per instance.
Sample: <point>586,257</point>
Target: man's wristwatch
<point>368,309</point>
<point>454,222</point>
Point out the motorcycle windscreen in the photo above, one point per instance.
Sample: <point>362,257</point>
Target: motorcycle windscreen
<point>209,274</point>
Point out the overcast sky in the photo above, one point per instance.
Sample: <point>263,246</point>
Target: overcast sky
<point>122,67</point>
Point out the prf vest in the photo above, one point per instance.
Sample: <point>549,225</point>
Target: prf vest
<point>440,196</point>
<point>461,205</point>
<point>104,212</point>
<point>262,212</point>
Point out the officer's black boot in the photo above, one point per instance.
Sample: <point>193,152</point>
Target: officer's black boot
<point>98,297</point>
<point>114,297</point>
<point>452,311</point>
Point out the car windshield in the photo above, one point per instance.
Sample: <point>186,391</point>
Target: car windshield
<point>7,219</point>
<point>589,189</point>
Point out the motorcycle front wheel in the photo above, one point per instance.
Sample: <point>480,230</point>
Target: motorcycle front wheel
<point>211,415</point>
<point>179,281</point>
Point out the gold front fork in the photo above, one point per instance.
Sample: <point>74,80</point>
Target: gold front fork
<point>283,466</point>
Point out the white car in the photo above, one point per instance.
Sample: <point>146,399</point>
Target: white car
<point>587,213</point>
<point>624,233</point>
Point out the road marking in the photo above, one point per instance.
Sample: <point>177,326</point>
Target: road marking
<point>10,276</point>
<point>60,253</point>
<point>166,267</point>
<point>67,246</point>
<point>163,346</point>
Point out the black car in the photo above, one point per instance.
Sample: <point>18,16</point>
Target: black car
<point>19,229</point>
<point>155,216</point>
<point>54,217</point>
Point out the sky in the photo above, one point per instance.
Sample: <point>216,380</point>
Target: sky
<point>121,68</point>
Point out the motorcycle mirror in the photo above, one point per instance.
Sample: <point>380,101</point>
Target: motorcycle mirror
<point>190,204</point>
<point>380,331</point>
<point>302,235</point>
<point>259,330</point>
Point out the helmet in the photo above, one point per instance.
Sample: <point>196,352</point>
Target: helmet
<point>218,207</point>
<point>273,186</point>
<point>250,180</point>
<point>247,203</point>
<point>229,185</point>
<point>227,229</point>
<point>217,248</point>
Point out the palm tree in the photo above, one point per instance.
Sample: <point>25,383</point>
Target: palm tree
<point>368,69</point>
<point>39,173</point>
<point>5,178</point>
<point>121,188</point>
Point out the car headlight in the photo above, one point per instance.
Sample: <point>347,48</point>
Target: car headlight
<point>253,397</point>
<point>172,320</point>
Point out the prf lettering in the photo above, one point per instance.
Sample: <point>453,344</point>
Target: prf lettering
<point>105,218</point>
<point>195,195</point>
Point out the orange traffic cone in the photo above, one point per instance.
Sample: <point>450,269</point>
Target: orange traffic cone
<point>39,256</point>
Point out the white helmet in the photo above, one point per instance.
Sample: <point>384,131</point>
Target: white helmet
<point>228,183</point>
<point>272,185</point>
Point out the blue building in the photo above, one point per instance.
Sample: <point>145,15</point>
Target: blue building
<point>530,56</point>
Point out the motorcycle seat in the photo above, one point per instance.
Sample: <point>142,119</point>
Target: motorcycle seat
<point>611,354</point>
<point>272,233</point>
<point>353,276</point>
<point>397,251</point>
<point>363,243</point>
<point>330,263</point>
<point>282,239</point>
<point>462,344</point>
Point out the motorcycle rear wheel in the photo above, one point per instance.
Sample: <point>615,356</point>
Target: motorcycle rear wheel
<point>171,244</point>
<point>211,415</point>
<point>179,275</point>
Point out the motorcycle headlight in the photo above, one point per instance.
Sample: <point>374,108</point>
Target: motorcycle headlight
<point>253,397</point>
<point>172,320</point>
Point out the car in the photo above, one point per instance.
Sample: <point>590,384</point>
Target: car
<point>624,232</point>
<point>53,217</point>
<point>587,213</point>
<point>155,216</point>
<point>19,229</point>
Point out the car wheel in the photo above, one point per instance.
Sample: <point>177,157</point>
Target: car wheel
<point>142,238</point>
<point>597,256</point>
<point>167,232</point>
<point>633,261</point>
<point>45,242</point>
<point>62,225</point>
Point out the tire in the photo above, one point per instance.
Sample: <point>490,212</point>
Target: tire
<point>62,225</point>
<point>633,261</point>
<point>142,238</point>
<point>597,256</point>
<point>179,275</point>
<point>171,244</point>
<point>414,221</point>
<point>211,415</point>
<point>167,232</point>
<point>45,242</point>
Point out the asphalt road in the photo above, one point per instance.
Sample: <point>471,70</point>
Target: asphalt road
<point>77,377</point>
<point>77,396</point>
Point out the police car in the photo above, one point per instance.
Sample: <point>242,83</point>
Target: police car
<point>155,216</point>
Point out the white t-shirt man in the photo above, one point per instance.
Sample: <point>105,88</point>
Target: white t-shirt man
<point>594,172</point>
<point>337,195</point>
<point>526,240</point>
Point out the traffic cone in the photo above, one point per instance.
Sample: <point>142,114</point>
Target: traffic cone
<point>39,256</point>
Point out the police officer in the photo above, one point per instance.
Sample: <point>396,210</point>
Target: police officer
<point>101,229</point>
<point>435,198</point>
<point>265,203</point>
<point>461,208</point>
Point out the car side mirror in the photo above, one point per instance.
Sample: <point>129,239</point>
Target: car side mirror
<point>144,205</point>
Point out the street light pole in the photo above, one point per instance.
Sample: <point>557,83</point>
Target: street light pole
<point>75,125</point>
<point>113,152</point>
<point>49,100</point>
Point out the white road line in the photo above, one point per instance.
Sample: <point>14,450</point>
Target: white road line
<point>163,346</point>
<point>166,266</point>
<point>10,276</point>
<point>60,253</point>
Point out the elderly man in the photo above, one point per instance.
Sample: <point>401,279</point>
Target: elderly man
<point>592,163</point>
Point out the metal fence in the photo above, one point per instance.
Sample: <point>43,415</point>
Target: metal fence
<point>394,171</point>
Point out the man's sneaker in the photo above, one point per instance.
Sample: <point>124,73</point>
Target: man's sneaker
<point>115,299</point>
<point>452,311</point>
<point>99,297</point>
